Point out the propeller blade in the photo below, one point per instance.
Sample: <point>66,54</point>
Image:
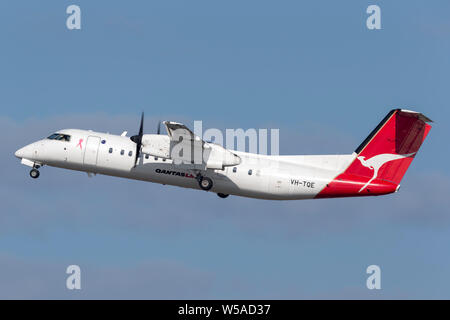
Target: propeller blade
<point>138,139</point>
<point>141,128</point>
<point>159,127</point>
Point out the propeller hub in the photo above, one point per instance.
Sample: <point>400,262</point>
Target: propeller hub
<point>135,138</point>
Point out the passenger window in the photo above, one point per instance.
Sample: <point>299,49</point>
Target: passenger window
<point>122,152</point>
<point>250,172</point>
<point>110,150</point>
<point>156,158</point>
<point>164,159</point>
<point>130,153</point>
<point>146,156</point>
<point>234,169</point>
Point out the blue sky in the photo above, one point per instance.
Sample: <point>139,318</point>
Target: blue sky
<point>310,68</point>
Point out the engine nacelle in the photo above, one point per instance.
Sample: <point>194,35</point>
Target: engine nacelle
<point>217,157</point>
<point>211,156</point>
<point>156,145</point>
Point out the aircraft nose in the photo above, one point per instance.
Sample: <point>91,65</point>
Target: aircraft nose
<point>19,153</point>
<point>23,153</point>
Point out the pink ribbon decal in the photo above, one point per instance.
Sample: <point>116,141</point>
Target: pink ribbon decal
<point>79,143</point>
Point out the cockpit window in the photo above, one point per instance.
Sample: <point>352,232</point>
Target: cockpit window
<point>59,136</point>
<point>53,136</point>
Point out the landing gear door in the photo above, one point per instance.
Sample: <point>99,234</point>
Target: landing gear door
<point>91,151</point>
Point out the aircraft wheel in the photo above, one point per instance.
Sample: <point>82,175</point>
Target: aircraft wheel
<point>223,195</point>
<point>34,173</point>
<point>205,183</point>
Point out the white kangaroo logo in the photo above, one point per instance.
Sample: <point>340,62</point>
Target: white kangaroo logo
<point>376,162</point>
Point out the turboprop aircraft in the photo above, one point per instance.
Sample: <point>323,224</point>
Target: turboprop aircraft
<point>375,168</point>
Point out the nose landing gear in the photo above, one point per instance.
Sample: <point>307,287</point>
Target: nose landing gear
<point>34,173</point>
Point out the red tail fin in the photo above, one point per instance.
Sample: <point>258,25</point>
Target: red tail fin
<point>383,158</point>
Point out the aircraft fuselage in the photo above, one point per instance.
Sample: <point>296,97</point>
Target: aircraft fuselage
<point>375,168</point>
<point>257,176</point>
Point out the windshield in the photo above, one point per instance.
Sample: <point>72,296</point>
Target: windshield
<point>59,136</point>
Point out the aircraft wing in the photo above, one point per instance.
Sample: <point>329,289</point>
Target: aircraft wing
<point>189,149</point>
<point>176,130</point>
<point>185,147</point>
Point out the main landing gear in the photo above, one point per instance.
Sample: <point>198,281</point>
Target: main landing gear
<point>222,195</point>
<point>205,183</point>
<point>34,173</point>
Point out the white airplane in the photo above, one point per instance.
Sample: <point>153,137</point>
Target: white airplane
<point>375,168</point>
